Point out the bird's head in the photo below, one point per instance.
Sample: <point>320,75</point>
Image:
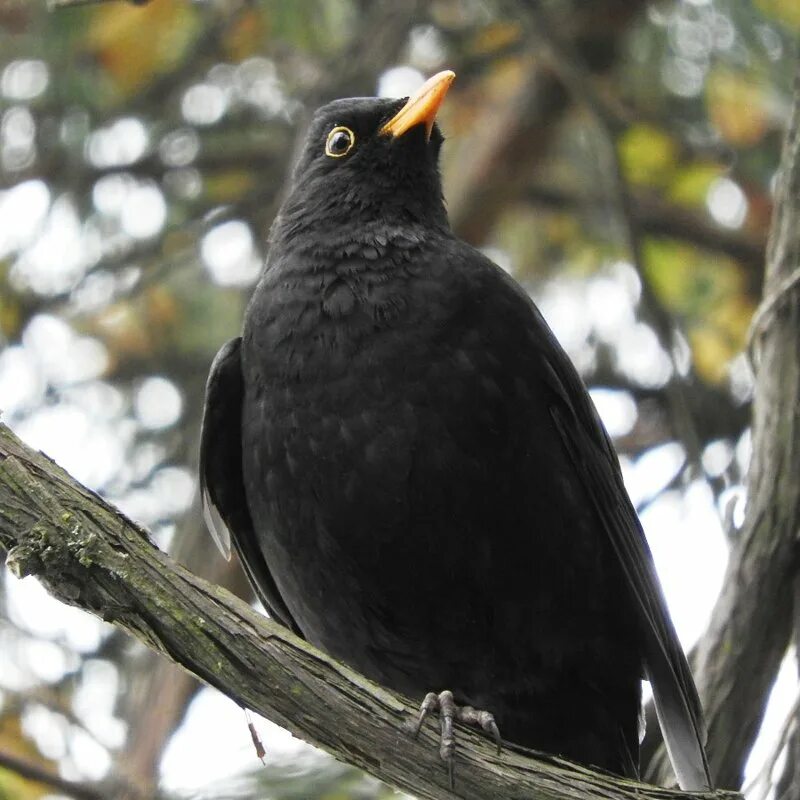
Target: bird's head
<point>367,160</point>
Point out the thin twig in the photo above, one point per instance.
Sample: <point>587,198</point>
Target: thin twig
<point>764,775</point>
<point>48,698</point>
<point>764,313</point>
<point>659,217</point>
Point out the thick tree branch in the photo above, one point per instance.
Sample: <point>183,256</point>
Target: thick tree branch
<point>158,692</point>
<point>738,658</point>
<point>787,786</point>
<point>87,554</point>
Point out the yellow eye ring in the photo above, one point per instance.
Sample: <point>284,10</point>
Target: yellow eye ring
<point>340,142</point>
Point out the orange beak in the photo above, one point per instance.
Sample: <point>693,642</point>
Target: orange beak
<point>422,106</point>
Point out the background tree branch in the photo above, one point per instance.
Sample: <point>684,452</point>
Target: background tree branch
<point>89,555</point>
<point>34,772</point>
<point>658,217</point>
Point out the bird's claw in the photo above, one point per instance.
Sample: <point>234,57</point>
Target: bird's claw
<point>448,712</point>
<point>483,720</point>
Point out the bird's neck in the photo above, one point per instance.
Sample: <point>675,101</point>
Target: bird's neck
<point>308,222</point>
<point>321,299</point>
<point>378,242</point>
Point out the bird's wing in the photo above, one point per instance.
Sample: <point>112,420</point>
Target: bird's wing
<point>221,481</point>
<point>587,443</point>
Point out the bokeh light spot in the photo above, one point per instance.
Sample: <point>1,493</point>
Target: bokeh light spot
<point>157,403</point>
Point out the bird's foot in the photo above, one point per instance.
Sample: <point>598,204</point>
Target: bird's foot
<point>448,712</point>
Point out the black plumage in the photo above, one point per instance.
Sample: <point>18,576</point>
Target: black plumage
<point>413,474</point>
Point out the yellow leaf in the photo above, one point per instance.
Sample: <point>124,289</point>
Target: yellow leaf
<point>10,317</point>
<point>733,317</point>
<point>494,37</point>
<point>711,353</point>
<point>785,11</point>
<point>14,742</point>
<point>648,154</point>
<point>737,107</point>
<point>690,184</point>
<point>709,295</point>
<point>666,266</point>
<point>227,186</point>
<point>562,229</point>
<point>688,282</point>
<point>246,36</point>
<point>136,43</point>
<point>720,336</point>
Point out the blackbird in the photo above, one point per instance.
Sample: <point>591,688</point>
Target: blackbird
<point>414,476</point>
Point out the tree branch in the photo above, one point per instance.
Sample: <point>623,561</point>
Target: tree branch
<point>787,787</point>
<point>739,656</point>
<point>35,772</point>
<point>660,218</point>
<point>87,554</point>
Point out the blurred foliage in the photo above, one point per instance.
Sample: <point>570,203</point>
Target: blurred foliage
<point>783,11</point>
<point>133,45</point>
<point>315,778</point>
<point>143,150</point>
<point>14,741</point>
<point>649,154</point>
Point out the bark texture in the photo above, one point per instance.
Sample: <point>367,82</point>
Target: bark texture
<point>738,658</point>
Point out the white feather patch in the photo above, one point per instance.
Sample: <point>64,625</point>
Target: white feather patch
<point>216,526</point>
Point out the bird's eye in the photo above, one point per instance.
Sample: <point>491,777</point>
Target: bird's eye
<point>340,142</point>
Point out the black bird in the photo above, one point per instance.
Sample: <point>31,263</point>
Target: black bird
<point>413,474</point>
